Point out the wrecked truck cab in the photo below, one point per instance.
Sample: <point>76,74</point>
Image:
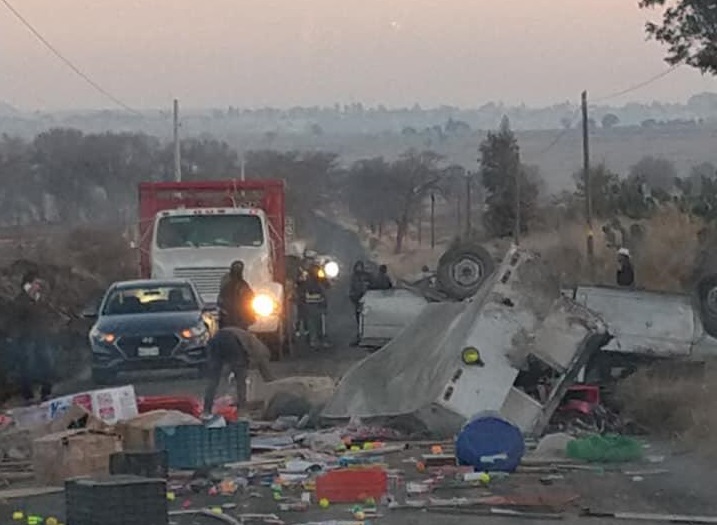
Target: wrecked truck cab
<point>462,270</point>
<point>459,359</point>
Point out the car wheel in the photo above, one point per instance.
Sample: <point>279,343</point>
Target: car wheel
<point>103,377</point>
<point>463,270</point>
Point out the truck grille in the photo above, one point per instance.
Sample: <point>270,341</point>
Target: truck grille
<point>130,345</point>
<point>207,280</point>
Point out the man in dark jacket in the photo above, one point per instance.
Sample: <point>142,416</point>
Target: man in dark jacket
<point>360,281</point>
<point>382,281</point>
<point>31,335</point>
<point>235,299</point>
<point>237,350</point>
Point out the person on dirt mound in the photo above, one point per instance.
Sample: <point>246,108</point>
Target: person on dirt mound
<point>30,332</point>
<point>360,280</point>
<point>381,281</point>
<point>237,350</point>
<point>235,298</point>
<point>625,273</point>
<point>312,294</point>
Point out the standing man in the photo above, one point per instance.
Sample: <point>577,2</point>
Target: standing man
<point>235,298</point>
<point>238,350</point>
<point>312,294</point>
<point>31,333</point>
<point>359,284</point>
<point>382,280</point>
<point>625,272</point>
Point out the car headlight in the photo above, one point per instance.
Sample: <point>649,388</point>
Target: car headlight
<point>102,337</point>
<point>263,305</point>
<point>194,332</point>
<point>331,269</point>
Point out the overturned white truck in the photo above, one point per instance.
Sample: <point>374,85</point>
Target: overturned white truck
<point>456,359</point>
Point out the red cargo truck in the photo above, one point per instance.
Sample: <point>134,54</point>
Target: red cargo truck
<point>195,230</point>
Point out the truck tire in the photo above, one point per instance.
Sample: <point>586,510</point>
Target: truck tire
<point>707,298</point>
<point>462,270</point>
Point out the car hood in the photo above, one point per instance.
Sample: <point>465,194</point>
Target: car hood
<point>155,323</point>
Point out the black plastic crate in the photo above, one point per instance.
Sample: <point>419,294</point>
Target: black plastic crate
<point>116,500</point>
<point>148,464</point>
<point>196,446</point>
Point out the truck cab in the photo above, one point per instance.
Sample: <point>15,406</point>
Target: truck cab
<point>195,231</point>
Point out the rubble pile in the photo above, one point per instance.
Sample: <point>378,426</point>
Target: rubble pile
<point>353,473</point>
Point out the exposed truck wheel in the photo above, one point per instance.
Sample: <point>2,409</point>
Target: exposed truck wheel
<point>463,270</point>
<point>707,297</point>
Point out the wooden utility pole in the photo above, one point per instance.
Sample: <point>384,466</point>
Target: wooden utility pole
<point>433,220</point>
<point>516,235</point>
<point>587,182</point>
<point>177,151</point>
<point>469,226</point>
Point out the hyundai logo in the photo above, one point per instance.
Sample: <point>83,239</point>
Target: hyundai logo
<point>148,340</point>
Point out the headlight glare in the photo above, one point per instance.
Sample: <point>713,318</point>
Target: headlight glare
<point>263,305</point>
<point>331,269</point>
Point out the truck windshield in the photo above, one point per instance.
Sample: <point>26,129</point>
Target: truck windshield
<point>197,231</point>
<point>139,300</point>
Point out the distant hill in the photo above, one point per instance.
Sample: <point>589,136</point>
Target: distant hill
<point>6,110</point>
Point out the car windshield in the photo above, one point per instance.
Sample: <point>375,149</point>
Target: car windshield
<point>138,300</point>
<point>209,230</point>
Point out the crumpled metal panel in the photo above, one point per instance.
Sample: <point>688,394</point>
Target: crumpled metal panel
<point>421,372</point>
<point>386,312</point>
<point>662,324</point>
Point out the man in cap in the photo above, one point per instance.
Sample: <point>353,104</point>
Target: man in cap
<point>625,272</point>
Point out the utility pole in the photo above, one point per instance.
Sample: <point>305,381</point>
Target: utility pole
<point>587,182</point>
<point>469,226</point>
<point>433,220</point>
<point>516,234</point>
<point>177,151</point>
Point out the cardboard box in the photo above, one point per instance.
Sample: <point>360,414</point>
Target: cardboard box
<point>138,433</point>
<point>73,453</point>
<point>109,405</point>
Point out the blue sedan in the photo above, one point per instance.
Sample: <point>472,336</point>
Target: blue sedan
<point>149,324</point>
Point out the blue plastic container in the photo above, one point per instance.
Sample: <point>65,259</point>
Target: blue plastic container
<point>490,444</point>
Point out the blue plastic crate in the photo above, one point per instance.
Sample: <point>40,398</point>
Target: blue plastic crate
<point>196,446</point>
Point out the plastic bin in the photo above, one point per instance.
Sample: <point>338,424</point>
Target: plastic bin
<point>187,404</point>
<point>116,500</point>
<point>148,464</point>
<point>352,485</point>
<point>196,446</point>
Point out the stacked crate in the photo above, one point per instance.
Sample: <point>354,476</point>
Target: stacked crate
<point>197,446</point>
<point>116,500</point>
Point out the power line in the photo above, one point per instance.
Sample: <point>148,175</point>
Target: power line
<point>67,61</point>
<point>617,94</point>
<point>637,86</point>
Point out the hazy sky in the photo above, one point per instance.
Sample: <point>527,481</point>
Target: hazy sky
<point>302,52</point>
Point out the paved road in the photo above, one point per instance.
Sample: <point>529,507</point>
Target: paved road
<point>330,239</point>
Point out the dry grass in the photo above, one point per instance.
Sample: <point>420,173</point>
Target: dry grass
<point>678,406</point>
<point>663,261</point>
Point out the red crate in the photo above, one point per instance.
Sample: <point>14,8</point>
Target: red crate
<point>187,404</point>
<point>352,485</point>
